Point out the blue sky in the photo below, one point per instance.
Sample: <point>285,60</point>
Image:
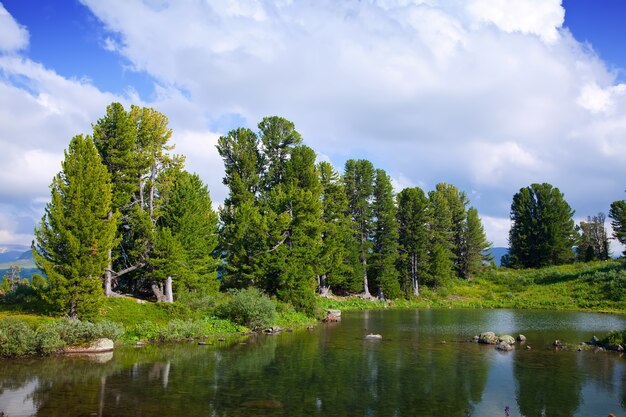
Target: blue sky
<point>490,95</point>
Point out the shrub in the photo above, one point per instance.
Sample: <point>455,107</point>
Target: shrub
<point>16,338</point>
<point>48,340</point>
<point>181,329</point>
<point>74,332</point>
<point>249,307</point>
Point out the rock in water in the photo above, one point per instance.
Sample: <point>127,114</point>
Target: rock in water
<point>372,336</point>
<point>488,338</point>
<point>332,316</point>
<point>503,346</point>
<point>521,338</point>
<point>506,339</point>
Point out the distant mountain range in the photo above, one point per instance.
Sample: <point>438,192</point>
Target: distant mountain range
<point>498,253</point>
<point>20,255</point>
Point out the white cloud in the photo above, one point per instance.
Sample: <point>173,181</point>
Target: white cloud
<point>13,36</point>
<point>497,229</point>
<point>487,95</point>
<point>538,17</point>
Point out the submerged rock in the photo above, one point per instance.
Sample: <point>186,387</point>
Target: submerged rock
<point>504,346</point>
<point>263,404</point>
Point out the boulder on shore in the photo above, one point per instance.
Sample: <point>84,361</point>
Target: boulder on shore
<point>97,346</point>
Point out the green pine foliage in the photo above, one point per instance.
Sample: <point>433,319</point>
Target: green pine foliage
<point>414,217</point>
<point>442,256</point>
<point>189,218</point>
<point>358,179</point>
<point>617,213</point>
<point>77,232</point>
<point>334,267</point>
<point>385,236</point>
<point>543,231</point>
<point>475,246</point>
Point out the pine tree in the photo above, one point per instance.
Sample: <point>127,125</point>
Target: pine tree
<point>413,221</point>
<point>77,231</point>
<point>190,219</point>
<point>293,259</point>
<point>475,246</point>
<point>442,256</point>
<point>134,147</point>
<point>385,238</point>
<point>244,229</point>
<point>358,181</point>
<point>617,213</point>
<point>334,268</point>
<point>542,232</point>
<point>457,203</point>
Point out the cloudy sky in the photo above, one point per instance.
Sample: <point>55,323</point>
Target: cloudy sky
<point>489,95</point>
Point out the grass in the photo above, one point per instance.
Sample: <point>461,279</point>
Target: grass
<point>597,286</point>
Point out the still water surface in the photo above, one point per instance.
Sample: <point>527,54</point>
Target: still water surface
<point>332,371</point>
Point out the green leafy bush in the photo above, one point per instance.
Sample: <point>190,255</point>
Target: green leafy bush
<point>249,307</point>
<point>74,332</point>
<point>16,338</point>
<point>48,340</point>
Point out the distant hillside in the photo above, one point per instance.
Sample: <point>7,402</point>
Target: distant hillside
<point>10,252</point>
<point>20,255</point>
<point>498,253</point>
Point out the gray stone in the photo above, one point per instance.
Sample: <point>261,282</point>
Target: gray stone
<point>504,346</point>
<point>488,338</point>
<point>332,316</point>
<point>372,336</point>
<point>593,341</point>
<point>508,339</point>
<point>97,346</point>
<point>521,338</point>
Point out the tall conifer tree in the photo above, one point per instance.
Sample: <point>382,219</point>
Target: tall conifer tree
<point>414,218</point>
<point>77,231</point>
<point>359,187</point>
<point>385,238</point>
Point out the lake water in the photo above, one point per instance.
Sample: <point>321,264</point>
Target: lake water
<point>333,371</point>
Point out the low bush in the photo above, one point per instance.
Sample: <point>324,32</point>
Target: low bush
<point>249,307</point>
<point>16,338</point>
<point>74,332</point>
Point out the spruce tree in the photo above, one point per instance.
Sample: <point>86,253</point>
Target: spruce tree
<point>385,238</point>
<point>457,203</point>
<point>77,231</point>
<point>358,181</point>
<point>414,218</point>
<point>475,246</point>
<point>243,232</point>
<point>442,256</point>
<point>334,268</point>
<point>191,221</point>
<point>542,232</point>
<point>617,213</point>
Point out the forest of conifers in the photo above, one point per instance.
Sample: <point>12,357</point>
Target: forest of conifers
<point>125,217</point>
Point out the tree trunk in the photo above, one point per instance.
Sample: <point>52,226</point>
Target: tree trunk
<point>366,289</point>
<point>416,290</point>
<point>169,294</point>
<point>157,289</point>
